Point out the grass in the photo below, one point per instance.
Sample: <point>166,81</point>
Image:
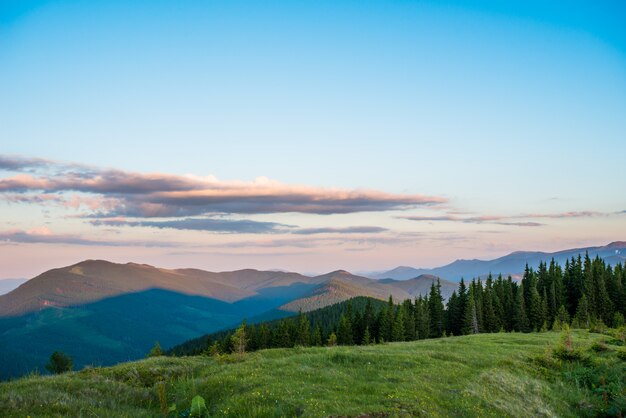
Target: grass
<point>480,375</point>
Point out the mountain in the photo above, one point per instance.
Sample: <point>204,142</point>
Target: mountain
<point>511,264</point>
<point>420,285</point>
<point>102,312</point>
<point>94,280</point>
<point>6,285</point>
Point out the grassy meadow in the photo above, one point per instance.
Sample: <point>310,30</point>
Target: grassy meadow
<point>479,375</point>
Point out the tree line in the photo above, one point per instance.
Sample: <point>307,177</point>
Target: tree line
<point>585,292</point>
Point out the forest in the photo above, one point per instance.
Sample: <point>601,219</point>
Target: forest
<point>584,293</point>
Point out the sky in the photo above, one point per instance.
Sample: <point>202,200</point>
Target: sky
<point>308,136</point>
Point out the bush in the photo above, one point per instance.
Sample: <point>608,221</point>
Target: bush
<point>599,346</point>
<point>565,349</point>
<point>59,363</point>
<point>156,350</point>
<point>598,327</point>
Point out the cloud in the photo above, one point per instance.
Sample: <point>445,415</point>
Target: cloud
<point>531,224</point>
<point>505,219</point>
<point>141,195</point>
<point>45,236</point>
<point>581,214</point>
<point>16,163</point>
<point>41,198</point>
<point>202,224</point>
<point>347,230</point>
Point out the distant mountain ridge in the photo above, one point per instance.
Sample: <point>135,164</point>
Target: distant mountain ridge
<point>93,280</point>
<point>511,264</point>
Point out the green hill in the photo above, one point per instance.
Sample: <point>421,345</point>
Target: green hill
<point>502,374</point>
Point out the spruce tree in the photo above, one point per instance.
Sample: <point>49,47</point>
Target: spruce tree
<point>582,318</point>
<point>435,310</point>
<point>332,340</point>
<point>470,323</point>
<point>344,331</point>
<point>397,330</point>
<point>409,321</point>
<point>535,309</point>
<point>520,319</point>
<point>304,330</point>
<point>366,337</point>
<point>316,337</point>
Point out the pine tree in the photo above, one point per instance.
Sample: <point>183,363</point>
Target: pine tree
<point>451,313</point>
<point>519,319</point>
<point>422,319</point>
<point>435,310</point>
<point>304,331</point>
<point>282,335</point>
<point>264,337</point>
<point>397,330</point>
<point>490,321</point>
<point>344,331</point>
<point>239,341</point>
<point>535,310</point>
<point>560,319</point>
<point>391,316</point>
<point>409,321</point>
<point>332,340</point>
<point>156,350</point>
<point>460,312</point>
<point>316,337</point>
<point>470,323</point>
<point>366,337</point>
<point>582,313</point>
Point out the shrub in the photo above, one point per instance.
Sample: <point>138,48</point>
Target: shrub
<point>599,346</point>
<point>156,350</point>
<point>59,363</point>
<point>565,349</point>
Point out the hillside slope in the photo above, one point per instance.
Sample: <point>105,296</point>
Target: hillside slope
<point>94,280</point>
<point>479,375</point>
<point>103,312</point>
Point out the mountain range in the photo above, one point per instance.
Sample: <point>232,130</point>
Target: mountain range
<point>102,313</point>
<point>511,264</point>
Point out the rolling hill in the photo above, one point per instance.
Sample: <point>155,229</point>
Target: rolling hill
<point>511,264</point>
<point>490,375</point>
<point>103,312</point>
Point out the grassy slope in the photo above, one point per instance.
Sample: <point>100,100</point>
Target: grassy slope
<point>486,375</point>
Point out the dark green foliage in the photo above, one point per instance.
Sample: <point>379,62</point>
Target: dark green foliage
<point>470,323</point>
<point>59,363</point>
<point>436,310</point>
<point>541,301</point>
<point>344,331</point>
<point>156,350</point>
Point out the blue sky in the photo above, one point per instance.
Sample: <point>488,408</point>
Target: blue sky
<point>502,110</point>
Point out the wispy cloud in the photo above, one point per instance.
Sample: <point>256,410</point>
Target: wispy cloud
<point>505,219</point>
<point>141,195</point>
<point>45,236</point>
<point>202,224</point>
<point>347,230</point>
